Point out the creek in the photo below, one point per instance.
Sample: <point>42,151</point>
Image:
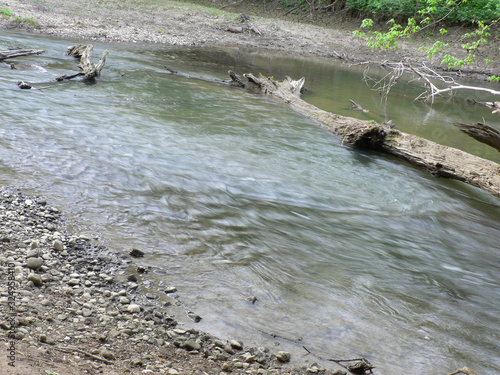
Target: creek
<point>231,195</point>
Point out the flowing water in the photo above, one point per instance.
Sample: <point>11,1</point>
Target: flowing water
<point>349,253</point>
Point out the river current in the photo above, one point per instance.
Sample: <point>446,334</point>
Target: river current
<point>232,195</point>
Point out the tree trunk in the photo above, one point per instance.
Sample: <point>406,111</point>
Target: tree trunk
<point>437,159</point>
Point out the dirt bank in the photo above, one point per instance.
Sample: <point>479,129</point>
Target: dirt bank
<point>225,23</point>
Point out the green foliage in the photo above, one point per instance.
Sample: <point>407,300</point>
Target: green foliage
<point>5,12</point>
<point>463,10</point>
<point>482,14</point>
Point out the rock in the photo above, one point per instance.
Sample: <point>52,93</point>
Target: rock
<point>194,317</point>
<point>171,289</point>
<point>42,338</point>
<point>132,278</point>
<point>58,245</point>
<point>34,263</point>
<point>283,357</point>
<point>132,308</point>
<point>36,279</point>
<point>124,300</point>
<point>34,245</point>
<point>191,345</point>
<point>73,282</point>
<point>136,253</point>
<point>236,344</point>
<point>339,372</point>
<point>106,353</point>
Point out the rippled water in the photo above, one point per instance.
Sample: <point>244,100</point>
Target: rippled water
<point>233,195</point>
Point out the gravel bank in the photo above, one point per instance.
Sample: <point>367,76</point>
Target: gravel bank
<point>64,309</point>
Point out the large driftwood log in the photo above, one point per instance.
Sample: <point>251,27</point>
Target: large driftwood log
<point>437,159</point>
<point>17,52</point>
<point>481,132</point>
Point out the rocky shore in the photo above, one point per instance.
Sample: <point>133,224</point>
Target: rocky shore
<point>64,311</point>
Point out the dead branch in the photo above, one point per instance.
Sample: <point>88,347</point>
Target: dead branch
<point>18,52</point>
<point>481,132</point>
<point>433,81</point>
<point>71,350</point>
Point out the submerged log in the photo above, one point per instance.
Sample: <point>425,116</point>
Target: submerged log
<point>17,52</point>
<point>442,161</point>
<point>481,132</point>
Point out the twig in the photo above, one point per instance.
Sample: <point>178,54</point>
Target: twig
<point>71,349</point>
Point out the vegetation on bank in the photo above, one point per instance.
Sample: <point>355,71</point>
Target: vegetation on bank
<point>387,21</point>
<point>16,20</point>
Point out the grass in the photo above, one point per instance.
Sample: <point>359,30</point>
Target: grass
<point>6,12</point>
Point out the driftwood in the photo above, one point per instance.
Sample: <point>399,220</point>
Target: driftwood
<point>493,105</point>
<point>481,132</point>
<point>463,370</point>
<point>439,160</point>
<point>89,70</point>
<point>17,52</point>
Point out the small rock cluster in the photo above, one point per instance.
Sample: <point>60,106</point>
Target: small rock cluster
<point>67,299</point>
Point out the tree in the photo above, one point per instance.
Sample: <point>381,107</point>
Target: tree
<point>480,15</point>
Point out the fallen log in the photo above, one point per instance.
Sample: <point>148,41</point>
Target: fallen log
<point>439,160</point>
<point>18,52</point>
<point>481,132</point>
<point>89,70</point>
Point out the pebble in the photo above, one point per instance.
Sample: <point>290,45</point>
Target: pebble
<point>236,345</point>
<point>191,345</point>
<point>34,263</point>
<point>58,245</point>
<point>133,308</point>
<point>106,353</point>
<point>36,279</point>
<point>283,357</point>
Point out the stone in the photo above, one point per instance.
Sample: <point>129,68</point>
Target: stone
<point>171,289</point>
<point>36,279</point>
<point>191,345</point>
<point>58,245</point>
<point>339,372</point>
<point>132,278</point>
<point>73,282</point>
<point>106,353</point>
<point>34,263</point>
<point>124,300</point>
<point>133,308</point>
<point>283,357</point>
<point>136,253</point>
<point>236,344</point>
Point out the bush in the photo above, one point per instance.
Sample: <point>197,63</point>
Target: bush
<point>466,12</point>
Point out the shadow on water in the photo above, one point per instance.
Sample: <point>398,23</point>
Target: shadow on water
<point>232,195</point>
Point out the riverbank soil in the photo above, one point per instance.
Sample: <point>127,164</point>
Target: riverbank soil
<point>261,25</point>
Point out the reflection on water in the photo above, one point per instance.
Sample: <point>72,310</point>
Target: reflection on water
<point>356,253</point>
